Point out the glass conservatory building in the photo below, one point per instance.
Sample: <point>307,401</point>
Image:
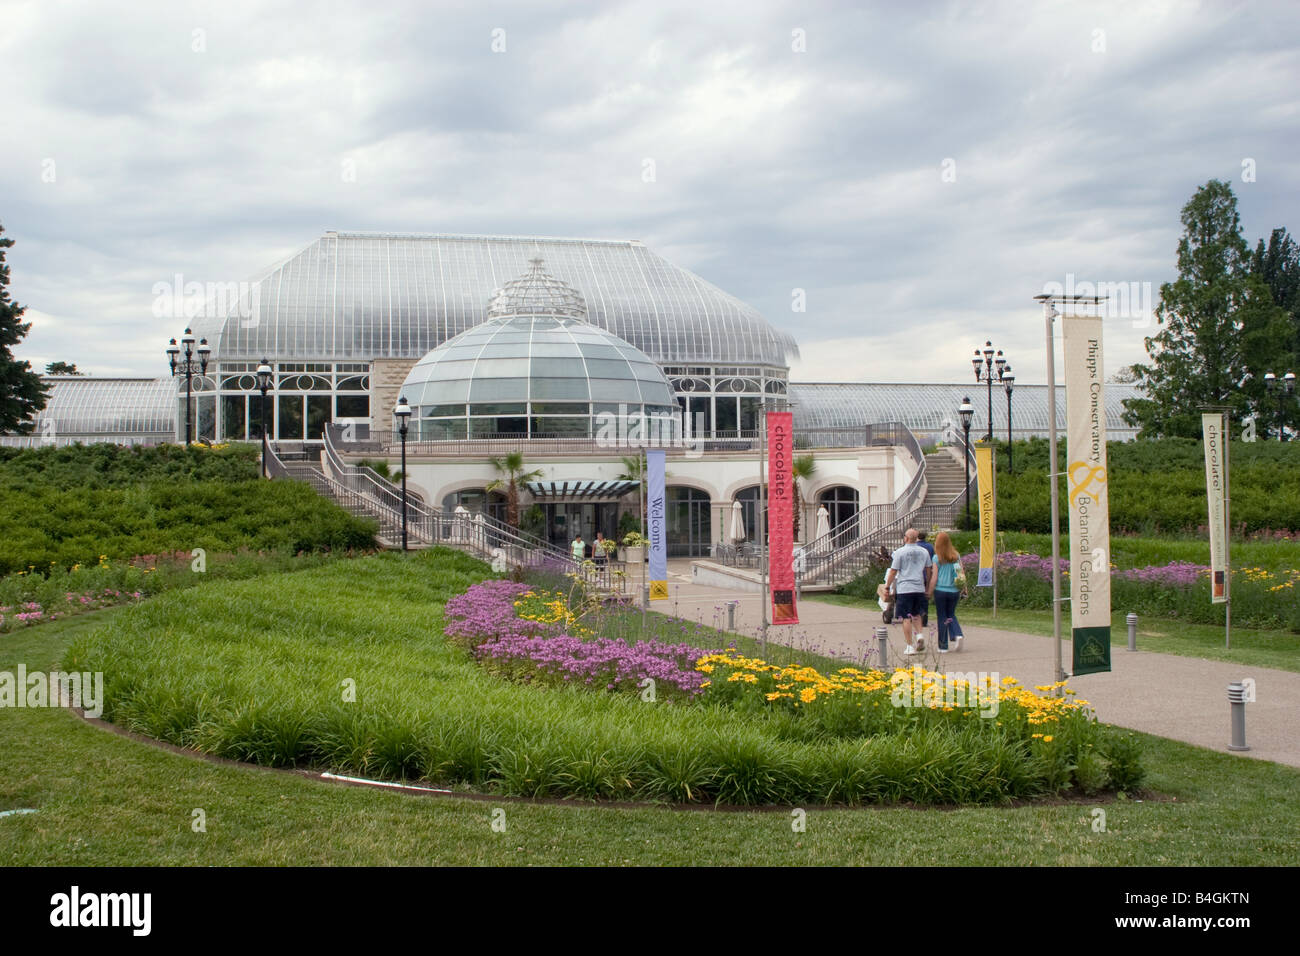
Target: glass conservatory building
<point>345,321</point>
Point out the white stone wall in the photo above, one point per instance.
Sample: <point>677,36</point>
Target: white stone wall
<point>877,473</point>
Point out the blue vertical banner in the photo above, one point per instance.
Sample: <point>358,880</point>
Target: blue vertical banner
<point>656,517</point>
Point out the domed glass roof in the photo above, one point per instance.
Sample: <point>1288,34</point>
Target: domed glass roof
<point>535,347</point>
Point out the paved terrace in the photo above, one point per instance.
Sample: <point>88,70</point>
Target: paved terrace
<point>1183,698</point>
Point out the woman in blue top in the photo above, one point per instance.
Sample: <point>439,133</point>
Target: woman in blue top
<point>947,585</point>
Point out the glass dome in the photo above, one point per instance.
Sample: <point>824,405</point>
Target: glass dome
<point>533,368</point>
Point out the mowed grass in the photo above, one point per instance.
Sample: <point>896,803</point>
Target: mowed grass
<point>103,799</point>
<point>1258,648</point>
<point>344,667</point>
<point>1140,551</point>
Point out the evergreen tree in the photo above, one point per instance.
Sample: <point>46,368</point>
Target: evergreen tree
<point>22,393</point>
<point>1221,330</point>
<point>62,368</point>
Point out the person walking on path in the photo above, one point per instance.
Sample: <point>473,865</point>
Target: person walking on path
<point>579,548</point>
<point>921,535</point>
<point>946,585</point>
<point>910,565</point>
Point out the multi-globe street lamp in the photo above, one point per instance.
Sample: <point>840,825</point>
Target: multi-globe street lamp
<point>984,373</point>
<point>403,414</point>
<point>1008,382</point>
<point>1285,388</point>
<point>966,410</point>
<point>189,369</point>
<point>264,379</point>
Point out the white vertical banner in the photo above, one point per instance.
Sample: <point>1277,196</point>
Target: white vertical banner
<point>1216,488</point>
<point>1087,493</point>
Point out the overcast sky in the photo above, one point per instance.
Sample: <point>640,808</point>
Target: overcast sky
<point>920,170</point>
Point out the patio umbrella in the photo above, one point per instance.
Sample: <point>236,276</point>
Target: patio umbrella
<point>737,532</point>
<point>823,523</point>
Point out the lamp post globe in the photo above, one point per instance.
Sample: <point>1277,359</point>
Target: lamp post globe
<point>1008,383</point>
<point>264,378</point>
<point>403,414</point>
<point>966,410</point>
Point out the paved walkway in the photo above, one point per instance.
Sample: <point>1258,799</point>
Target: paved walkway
<point>1183,698</point>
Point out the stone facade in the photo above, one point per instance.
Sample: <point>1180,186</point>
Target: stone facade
<point>386,378</point>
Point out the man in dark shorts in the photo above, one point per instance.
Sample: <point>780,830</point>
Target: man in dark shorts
<point>921,535</point>
<point>910,566</point>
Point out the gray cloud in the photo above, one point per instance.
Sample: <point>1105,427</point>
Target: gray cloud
<point>775,169</point>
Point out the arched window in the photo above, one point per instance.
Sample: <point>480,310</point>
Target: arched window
<point>689,522</point>
<point>476,499</point>
<point>748,498</point>
<point>841,502</point>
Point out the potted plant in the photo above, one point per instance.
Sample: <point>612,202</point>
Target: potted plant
<point>633,550</point>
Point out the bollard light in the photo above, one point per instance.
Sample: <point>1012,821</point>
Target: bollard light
<point>731,615</point>
<point>1132,620</point>
<point>1237,706</point>
<point>882,635</point>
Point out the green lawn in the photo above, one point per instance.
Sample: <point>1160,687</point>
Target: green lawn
<point>103,799</point>
<point>1260,648</point>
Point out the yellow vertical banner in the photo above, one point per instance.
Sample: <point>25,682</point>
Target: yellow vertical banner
<point>1088,492</point>
<point>988,514</point>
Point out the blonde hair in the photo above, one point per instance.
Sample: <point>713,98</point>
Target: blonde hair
<point>944,549</point>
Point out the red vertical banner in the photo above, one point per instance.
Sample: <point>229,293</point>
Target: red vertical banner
<point>780,516</point>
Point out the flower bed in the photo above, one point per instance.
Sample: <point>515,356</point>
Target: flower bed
<point>1261,598</point>
<point>532,636</point>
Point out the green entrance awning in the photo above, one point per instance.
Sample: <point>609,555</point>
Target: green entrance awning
<point>589,490</point>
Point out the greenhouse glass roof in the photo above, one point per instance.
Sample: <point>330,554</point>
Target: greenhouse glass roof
<point>926,408</point>
<point>536,358</point>
<point>362,296</point>
<point>108,409</point>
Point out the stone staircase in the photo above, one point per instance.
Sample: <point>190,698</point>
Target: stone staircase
<point>310,472</point>
<point>945,478</point>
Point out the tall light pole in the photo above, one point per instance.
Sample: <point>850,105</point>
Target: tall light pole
<point>1285,388</point>
<point>264,379</point>
<point>966,410</point>
<point>403,414</point>
<point>1008,383</point>
<point>984,372</point>
<point>187,368</point>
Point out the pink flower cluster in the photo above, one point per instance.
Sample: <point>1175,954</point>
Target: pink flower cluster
<point>484,618</point>
<point>33,613</point>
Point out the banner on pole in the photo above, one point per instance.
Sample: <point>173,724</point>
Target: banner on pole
<point>1213,432</point>
<point>1087,493</point>
<point>988,514</point>
<point>780,511</point>
<point>656,515</point>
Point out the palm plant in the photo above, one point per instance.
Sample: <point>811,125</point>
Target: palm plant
<point>802,468</point>
<point>512,467</point>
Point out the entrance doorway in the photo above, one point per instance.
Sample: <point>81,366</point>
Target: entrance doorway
<point>564,519</point>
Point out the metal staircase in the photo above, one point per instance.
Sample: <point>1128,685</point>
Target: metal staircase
<point>363,492</point>
<point>837,558</point>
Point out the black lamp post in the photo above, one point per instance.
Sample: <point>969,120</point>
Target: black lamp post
<point>403,413</point>
<point>984,373</point>
<point>1285,389</point>
<point>264,379</point>
<point>1008,382</point>
<point>966,410</point>
<point>189,370</point>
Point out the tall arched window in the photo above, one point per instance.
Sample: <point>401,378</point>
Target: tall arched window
<point>841,502</point>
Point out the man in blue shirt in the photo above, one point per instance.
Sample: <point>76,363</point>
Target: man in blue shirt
<point>920,539</point>
<point>910,567</point>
